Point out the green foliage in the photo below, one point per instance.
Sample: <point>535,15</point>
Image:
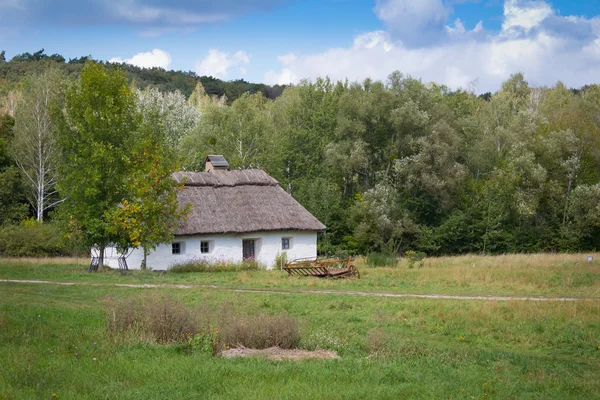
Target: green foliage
<point>204,265</point>
<point>30,239</point>
<point>376,259</point>
<point>203,343</point>
<point>149,211</point>
<point>386,166</point>
<point>95,133</point>
<point>11,73</point>
<point>7,124</point>
<point>13,206</point>
<point>281,259</point>
<point>415,258</point>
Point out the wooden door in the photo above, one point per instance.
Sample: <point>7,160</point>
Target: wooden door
<point>248,249</point>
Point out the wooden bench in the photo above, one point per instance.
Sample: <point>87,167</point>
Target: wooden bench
<point>327,268</point>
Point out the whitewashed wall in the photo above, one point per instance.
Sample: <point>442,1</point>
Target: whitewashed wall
<point>222,247</point>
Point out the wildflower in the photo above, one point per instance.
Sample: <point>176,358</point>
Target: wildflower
<point>54,395</point>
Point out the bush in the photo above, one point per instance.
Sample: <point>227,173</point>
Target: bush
<point>156,318</point>
<point>32,239</point>
<point>415,258</point>
<point>324,339</point>
<point>202,265</point>
<point>161,319</point>
<point>280,260</point>
<point>381,260</point>
<point>260,331</point>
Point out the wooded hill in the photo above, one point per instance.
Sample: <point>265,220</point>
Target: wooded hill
<point>14,70</point>
<point>388,167</point>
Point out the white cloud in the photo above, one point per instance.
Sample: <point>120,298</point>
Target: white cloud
<point>525,14</point>
<point>154,58</point>
<point>467,54</point>
<point>218,63</point>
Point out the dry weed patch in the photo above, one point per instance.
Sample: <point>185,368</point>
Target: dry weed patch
<point>161,319</point>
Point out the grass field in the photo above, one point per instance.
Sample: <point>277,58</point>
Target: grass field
<point>54,343</point>
<point>560,275</point>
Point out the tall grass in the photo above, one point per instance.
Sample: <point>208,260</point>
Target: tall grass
<point>381,260</point>
<point>159,318</point>
<point>203,265</point>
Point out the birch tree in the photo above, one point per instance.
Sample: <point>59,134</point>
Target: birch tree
<point>178,117</point>
<point>34,145</point>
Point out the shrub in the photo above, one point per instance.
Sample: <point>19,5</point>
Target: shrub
<point>324,339</point>
<point>205,343</point>
<point>161,319</point>
<point>157,318</point>
<point>280,260</point>
<point>381,260</point>
<point>415,258</point>
<point>203,265</point>
<point>260,331</point>
<point>32,239</point>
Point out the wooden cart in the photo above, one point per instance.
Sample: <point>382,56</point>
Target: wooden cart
<point>322,268</point>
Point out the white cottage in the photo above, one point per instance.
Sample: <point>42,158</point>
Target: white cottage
<point>235,215</point>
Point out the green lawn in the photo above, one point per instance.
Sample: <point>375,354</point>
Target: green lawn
<point>511,275</point>
<point>53,340</point>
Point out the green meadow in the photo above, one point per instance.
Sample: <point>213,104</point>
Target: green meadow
<point>54,341</point>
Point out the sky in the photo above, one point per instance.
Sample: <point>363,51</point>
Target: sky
<point>469,44</point>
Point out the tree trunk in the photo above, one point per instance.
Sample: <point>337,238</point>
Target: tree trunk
<point>101,258</point>
<point>145,260</point>
<point>566,210</point>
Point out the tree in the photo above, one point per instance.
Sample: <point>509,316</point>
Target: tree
<point>2,56</point>
<point>7,124</point>
<point>177,117</point>
<point>34,144</point>
<point>95,131</point>
<point>149,212</point>
<point>13,206</point>
<point>240,132</point>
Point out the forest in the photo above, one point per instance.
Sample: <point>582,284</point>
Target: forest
<point>14,70</point>
<point>388,167</point>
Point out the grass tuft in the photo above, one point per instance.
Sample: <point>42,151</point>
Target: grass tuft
<point>215,266</point>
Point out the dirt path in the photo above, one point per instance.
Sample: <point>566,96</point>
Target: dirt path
<point>303,291</point>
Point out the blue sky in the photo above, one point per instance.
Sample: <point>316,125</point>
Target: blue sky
<point>461,43</point>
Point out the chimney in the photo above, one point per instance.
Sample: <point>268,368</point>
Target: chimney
<point>215,163</point>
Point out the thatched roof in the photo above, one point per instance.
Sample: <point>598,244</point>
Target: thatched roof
<point>239,202</point>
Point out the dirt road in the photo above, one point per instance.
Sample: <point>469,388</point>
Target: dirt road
<point>305,292</point>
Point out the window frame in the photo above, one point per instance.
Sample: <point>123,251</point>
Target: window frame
<point>181,248</point>
<point>207,243</point>
<point>289,243</point>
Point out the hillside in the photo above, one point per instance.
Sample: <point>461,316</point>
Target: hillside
<point>12,72</point>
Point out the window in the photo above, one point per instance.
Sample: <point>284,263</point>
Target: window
<point>285,243</point>
<point>204,247</point>
<point>176,248</point>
